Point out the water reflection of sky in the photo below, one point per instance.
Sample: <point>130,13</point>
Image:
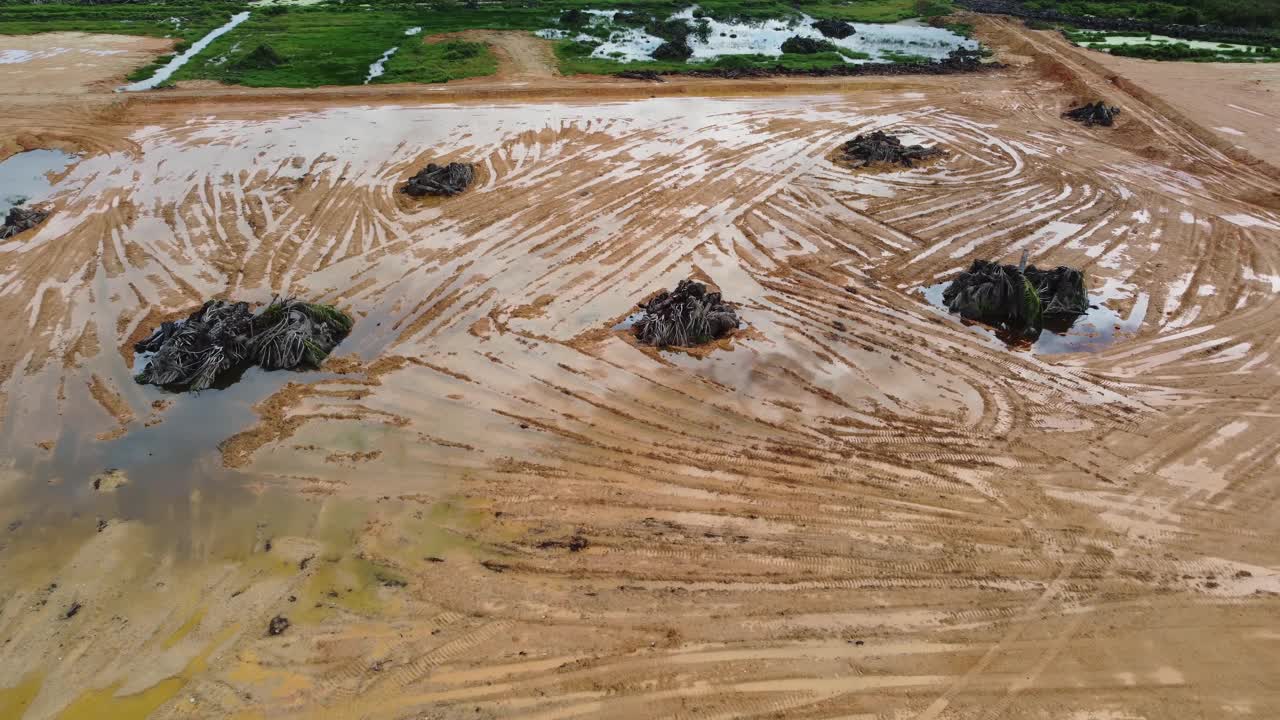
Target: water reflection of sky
<point>1094,330</point>
<point>24,177</point>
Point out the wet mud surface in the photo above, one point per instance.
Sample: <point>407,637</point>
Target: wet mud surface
<point>491,504</point>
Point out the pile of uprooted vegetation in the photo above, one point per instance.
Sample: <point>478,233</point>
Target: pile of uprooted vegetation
<point>880,147</point>
<point>226,337</point>
<point>444,180</point>
<point>21,219</point>
<point>838,29</point>
<point>1017,299</point>
<point>797,45</point>
<point>1098,113</point>
<point>687,316</point>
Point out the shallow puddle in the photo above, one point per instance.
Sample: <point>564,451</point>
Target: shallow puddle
<point>1094,330</point>
<point>24,178</point>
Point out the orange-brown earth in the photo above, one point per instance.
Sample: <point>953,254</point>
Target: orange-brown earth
<point>857,508</point>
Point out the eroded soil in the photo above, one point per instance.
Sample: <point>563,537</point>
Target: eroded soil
<point>494,506</point>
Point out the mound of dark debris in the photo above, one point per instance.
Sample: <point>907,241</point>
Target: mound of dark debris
<point>1098,113</point>
<point>838,29</point>
<point>689,315</point>
<point>881,147</point>
<point>797,45</point>
<point>21,219</point>
<point>223,338</point>
<point>446,180</point>
<point>1017,299</point>
<point>646,75</point>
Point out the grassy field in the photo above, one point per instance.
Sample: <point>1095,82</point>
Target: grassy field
<point>1257,14</point>
<point>334,44</point>
<point>323,46</point>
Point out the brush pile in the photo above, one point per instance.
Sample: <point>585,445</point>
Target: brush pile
<point>1091,114</point>
<point>1018,301</point>
<point>224,337</point>
<point>448,180</point>
<point>838,29</point>
<point>687,316</point>
<point>796,45</point>
<point>21,219</point>
<point>880,147</point>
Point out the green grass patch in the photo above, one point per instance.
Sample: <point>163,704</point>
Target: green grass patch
<point>417,61</point>
<point>335,43</point>
<point>322,45</point>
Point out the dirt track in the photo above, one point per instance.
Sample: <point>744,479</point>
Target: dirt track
<point>860,508</point>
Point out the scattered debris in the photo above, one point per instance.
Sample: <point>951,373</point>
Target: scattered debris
<point>797,45</point>
<point>447,180</point>
<point>102,524</point>
<point>71,611</point>
<point>1091,114</point>
<point>391,581</point>
<point>685,317</point>
<point>278,625</point>
<point>1017,299</point>
<point>575,543</point>
<point>21,219</point>
<point>648,75</point>
<point>880,147</point>
<point>225,336</point>
<point>495,566</point>
<point>109,480</point>
<point>838,29</point>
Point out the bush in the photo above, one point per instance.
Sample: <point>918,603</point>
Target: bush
<point>932,8</point>
<point>263,57</point>
<point>457,50</point>
<point>797,45</point>
<point>673,51</point>
<point>573,17</point>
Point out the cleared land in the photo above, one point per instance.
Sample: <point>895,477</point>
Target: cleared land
<point>856,508</point>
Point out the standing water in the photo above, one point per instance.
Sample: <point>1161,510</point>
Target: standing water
<point>168,70</point>
<point>380,65</point>
<point>24,177</point>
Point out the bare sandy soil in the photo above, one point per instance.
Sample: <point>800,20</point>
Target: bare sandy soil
<point>492,505</point>
<point>521,55</point>
<point>1236,102</point>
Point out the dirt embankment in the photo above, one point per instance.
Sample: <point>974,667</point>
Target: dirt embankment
<point>521,55</point>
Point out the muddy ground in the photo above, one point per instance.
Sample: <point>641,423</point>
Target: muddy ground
<point>489,504</point>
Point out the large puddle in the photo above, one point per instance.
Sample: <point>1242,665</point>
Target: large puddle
<point>168,70</point>
<point>24,178</point>
<point>1093,331</point>
<point>870,43</point>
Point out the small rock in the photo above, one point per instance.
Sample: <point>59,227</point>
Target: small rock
<point>278,625</point>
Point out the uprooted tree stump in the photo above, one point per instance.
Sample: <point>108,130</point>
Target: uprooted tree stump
<point>1098,113</point>
<point>838,29</point>
<point>224,337</point>
<point>687,316</point>
<point>880,147</point>
<point>1018,301</point>
<point>21,219</point>
<point>447,180</point>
